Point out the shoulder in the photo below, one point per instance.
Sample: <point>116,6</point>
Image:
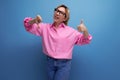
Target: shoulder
<point>73,30</point>
<point>44,24</point>
<point>70,28</point>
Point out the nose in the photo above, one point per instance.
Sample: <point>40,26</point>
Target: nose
<point>57,13</point>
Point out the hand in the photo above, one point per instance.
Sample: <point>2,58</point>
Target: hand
<point>82,27</point>
<point>38,19</point>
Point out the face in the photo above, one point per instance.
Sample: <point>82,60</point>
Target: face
<point>59,15</point>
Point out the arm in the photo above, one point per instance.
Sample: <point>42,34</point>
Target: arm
<point>84,37</point>
<point>32,25</point>
<point>37,20</point>
<point>82,28</point>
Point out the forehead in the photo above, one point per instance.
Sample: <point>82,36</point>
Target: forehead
<point>61,9</point>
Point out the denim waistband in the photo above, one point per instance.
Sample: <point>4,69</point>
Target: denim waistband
<point>48,57</point>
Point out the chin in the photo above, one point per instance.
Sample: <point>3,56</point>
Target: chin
<point>56,21</point>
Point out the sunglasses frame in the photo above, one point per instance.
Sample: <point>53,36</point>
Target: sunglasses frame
<point>60,12</point>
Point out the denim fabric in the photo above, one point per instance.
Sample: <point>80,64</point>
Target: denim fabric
<point>58,69</point>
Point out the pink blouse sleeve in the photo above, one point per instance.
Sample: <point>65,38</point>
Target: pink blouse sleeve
<point>81,40</point>
<point>34,29</point>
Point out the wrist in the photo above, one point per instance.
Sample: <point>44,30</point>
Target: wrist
<point>85,33</point>
<point>32,21</point>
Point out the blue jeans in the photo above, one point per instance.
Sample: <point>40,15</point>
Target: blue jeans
<point>58,69</point>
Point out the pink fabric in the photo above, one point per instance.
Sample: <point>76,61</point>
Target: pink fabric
<point>57,43</point>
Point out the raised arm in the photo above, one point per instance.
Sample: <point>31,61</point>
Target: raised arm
<point>84,37</point>
<point>32,25</point>
<point>37,20</point>
<point>82,28</point>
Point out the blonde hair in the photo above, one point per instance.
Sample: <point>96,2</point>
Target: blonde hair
<point>67,13</point>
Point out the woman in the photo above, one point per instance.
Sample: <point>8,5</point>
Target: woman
<point>58,41</point>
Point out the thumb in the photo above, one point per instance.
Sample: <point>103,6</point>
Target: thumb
<point>39,18</point>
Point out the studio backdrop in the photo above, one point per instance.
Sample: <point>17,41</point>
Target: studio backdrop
<point>21,56</point>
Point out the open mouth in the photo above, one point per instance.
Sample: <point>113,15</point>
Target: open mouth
<point>56,17</point>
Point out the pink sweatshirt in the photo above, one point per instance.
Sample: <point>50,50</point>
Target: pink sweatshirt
<point>57,43</point>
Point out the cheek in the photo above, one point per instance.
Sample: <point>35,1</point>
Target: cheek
<point>63,19</point>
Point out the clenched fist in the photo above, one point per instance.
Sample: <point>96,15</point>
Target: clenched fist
<point>82,27</point>
<point>38,18</point>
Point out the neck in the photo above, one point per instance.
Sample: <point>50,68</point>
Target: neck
<point>56,24</point>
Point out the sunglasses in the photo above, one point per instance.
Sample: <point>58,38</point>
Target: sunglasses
<point>59,12</point>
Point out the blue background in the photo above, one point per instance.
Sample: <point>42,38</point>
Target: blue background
<point>21,56</point>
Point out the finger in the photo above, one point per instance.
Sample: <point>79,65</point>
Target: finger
<point>39,18</point>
